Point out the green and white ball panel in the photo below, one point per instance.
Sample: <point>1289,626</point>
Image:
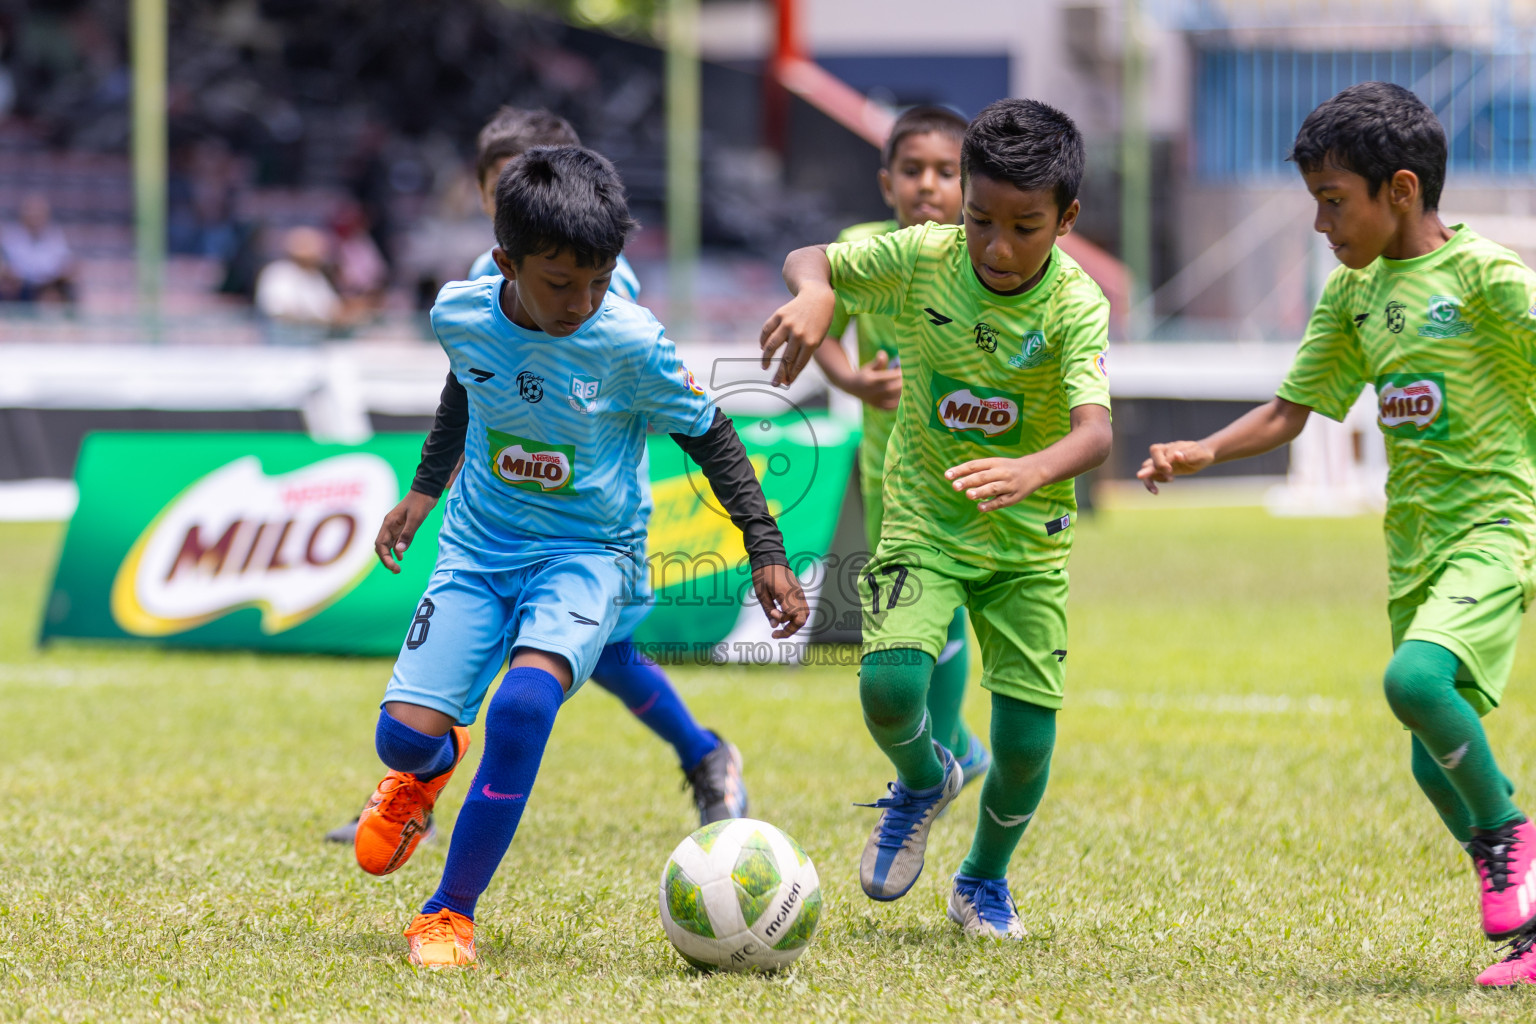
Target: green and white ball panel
<point>740,894</point>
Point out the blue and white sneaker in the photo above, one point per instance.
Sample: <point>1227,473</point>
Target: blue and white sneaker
<point>976,760</point>
<point>985,907</point>
<point>893,857</point>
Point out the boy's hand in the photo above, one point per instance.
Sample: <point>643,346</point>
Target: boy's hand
<point>778,591</point>
<point>877,383</point>
<point>399,528</point>
<point>1176,458</point>
<point>798,327</point>
<point>995,483</point>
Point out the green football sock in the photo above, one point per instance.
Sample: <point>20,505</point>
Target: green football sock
<point>946,690</point>
<point>893,687</point>
<point>1023,736</point>
<point>1427,773</point>
<point>1420,686</point>
<point>1431,779</point>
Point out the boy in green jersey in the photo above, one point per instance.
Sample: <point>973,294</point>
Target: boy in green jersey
<point>1002,341</point>
<point>1440,321</point>
<point>920,181</point>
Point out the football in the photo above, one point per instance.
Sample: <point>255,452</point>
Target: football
<point>740,895</point>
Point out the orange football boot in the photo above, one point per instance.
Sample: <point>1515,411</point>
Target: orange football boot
<point>443,939</point>
<point>397,815</point>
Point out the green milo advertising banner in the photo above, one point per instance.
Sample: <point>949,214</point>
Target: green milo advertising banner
<point>265,541</point>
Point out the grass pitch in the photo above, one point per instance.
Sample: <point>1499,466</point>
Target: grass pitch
<point>1231,830</point>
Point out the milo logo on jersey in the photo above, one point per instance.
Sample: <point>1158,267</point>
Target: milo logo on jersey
<point>983,415</point>
<point>532,465</point>
<point>1413,405</point>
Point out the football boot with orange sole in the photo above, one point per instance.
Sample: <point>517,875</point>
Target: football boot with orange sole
<point>443,939</point>
<point>399,814</point>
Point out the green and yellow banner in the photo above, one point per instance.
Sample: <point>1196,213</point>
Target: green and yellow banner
<point>265,541</point>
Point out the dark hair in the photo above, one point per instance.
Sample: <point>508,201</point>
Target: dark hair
<point>1375,129</point>
<point>1028,144</point>
<point>562,198</point>
<point>921,120</point>
<point>511,132</point>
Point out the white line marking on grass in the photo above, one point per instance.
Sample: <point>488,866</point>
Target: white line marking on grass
<point>1221,704</point>
<point>38,675</point>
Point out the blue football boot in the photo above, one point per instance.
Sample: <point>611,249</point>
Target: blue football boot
<point>893,857</point>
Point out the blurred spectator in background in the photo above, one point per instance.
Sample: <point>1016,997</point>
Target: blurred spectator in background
<point>367,178</point>
<point>205,185</point>
<point>35,261</point>
<point>295,295</point>
<point>361,273</point>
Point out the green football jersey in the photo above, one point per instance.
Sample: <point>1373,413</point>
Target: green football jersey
<point>983,375</point>
<point>876,334</point>
<point>1448,339</point>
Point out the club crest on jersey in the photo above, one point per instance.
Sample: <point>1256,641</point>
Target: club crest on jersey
<point>1396,317</point>
<point>530,387</point>
<point>1032,351</point>
<point>1413,405</point>
<point>986,337</point>
<point>531,465</point>
<point>984,415</point>
<point>1444,318</point>
<point>584,391</point>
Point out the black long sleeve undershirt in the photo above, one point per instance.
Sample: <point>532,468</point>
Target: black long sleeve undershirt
<point>445,442</point>
<point>723,458</point>
<point>718,452</point>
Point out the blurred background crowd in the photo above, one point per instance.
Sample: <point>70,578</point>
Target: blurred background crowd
<point>321,155</point>
<point>321,178</point>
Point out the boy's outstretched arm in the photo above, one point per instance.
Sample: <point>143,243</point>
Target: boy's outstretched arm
<point>1255,432</point>
<point>800,325</point>
<point>1000,482</point>
<point>721,455</point>
<point>441,456</point>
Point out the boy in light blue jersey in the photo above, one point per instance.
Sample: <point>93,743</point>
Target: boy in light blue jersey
<point>712,767</point>
<point>542,542</point>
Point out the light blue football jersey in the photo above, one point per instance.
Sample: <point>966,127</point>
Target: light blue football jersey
<point>556,432</point>
<point>624,283</point>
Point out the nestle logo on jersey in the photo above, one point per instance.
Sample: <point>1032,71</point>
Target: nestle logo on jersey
<point>983,415</point>
<point>1413,405</point>
<point>531,465</point>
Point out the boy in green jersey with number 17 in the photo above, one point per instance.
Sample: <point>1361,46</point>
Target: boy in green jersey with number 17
<point>920,181</point>
<point>1004,400</point>
<point>1441,322</point>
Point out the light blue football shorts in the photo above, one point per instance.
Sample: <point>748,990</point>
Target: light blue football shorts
<point>638,605</point>
<point>469,623</point>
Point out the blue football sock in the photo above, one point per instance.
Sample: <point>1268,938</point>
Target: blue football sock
<point>406,750</point>
<point>517,726</point>
<point>640,683</point>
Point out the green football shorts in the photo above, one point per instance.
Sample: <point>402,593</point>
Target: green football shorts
<point>910,595</point>
<point>1472,608</point>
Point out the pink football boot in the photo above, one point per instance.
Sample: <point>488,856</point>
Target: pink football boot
<point>1504,860</point>
<point>1519,967</point>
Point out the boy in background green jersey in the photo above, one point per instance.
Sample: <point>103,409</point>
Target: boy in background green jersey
<point>920,182</point>
<point>1002,341</point>
<point>1440,321</point>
